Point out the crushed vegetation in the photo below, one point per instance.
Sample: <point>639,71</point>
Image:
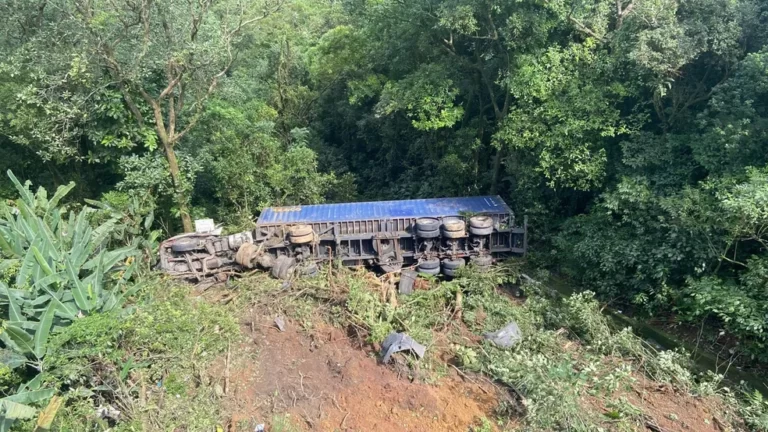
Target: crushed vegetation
<point>571,371</point>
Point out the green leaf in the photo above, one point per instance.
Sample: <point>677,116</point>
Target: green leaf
<point>78,290</point>
<point>98,279</point>
<point>12,359</point>
<point>102,231</point>
<point>16,411</point>
<point>33,384</point>
<point>110,258</point>
<point>148,220</point>
<point>24,192</point>
<point>61,192</point>
<point>26,267</point>
<point>116,301</point>
<point>41,260</point>
<point>14,311</point>
<point>20,337</point>
<point>47,237</point>
<point>41,335</point>
<point>67,311</point>
<point>5,423</point>
<point>5,246</point>
<point>31,396</point>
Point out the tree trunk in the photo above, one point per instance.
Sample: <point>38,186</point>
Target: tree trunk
<point>496,171</point>
<point>173,167</point>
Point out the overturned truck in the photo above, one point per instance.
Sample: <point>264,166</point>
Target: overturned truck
<point>437,235</point>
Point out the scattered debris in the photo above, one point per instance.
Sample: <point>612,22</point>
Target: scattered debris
<point>280,323</point>
<point>259,428</point>
<point>505,337</point>
<point>397,342</point>
<point>105,412</point>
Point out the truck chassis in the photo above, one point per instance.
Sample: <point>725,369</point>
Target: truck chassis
<point>436,236</point>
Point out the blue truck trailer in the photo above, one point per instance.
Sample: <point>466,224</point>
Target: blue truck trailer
<point>437,235</point>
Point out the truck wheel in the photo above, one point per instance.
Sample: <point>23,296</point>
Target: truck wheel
<point>481,222</point>
<point>428,234</point>
<point>454,227</point>
<point>429,263</point>
<point>481,231</point>
<point>384,246</point>
<point>300,230</point>
<point>453,264</point>
<point>431,272</point>
<point>450,272</point>
<point>185,245</point>
<point>303,239</point>
<point>427,224</point>
<point>301,234</point>
<point>453,224</point>
<point>245,255</point>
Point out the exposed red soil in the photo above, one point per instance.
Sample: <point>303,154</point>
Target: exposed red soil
<point>673,410</point>
<point>325,383</point>
<point>665,408</point>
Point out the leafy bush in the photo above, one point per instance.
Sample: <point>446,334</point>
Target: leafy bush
<point>62,271</point>
<point>161,345</point>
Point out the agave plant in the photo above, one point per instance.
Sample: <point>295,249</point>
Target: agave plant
<point>64,269</point>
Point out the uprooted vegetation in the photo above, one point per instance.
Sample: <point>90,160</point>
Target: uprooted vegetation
<point>571,371</point>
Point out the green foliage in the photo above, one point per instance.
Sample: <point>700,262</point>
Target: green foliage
<point>17,406</point>
<point>755,411</point>
<point>426,96</point>
<point>64,269</point>
<point>166,339</point>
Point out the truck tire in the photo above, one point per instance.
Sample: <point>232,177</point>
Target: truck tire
<point>481,231</point>
<point>453,224</point>
<point>245,255</point>
<point>451,267</point>
<point>427,224</point>
<point>429,263</point>
<point>481,222</point>
<point>431,272</point>
<point>303,239</point>
<point>185,245</point>
<point>428,234</point>
<point>300,230</point>
<point>454,227</point>
<point>453,264</point>
<point>301,234</point>
<point>384,246</point>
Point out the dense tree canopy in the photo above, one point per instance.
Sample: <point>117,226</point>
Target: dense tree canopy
<point>633,133</point>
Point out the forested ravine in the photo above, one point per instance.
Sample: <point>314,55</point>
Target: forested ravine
<point>632,133</point>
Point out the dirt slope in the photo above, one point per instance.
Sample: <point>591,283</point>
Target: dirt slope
<point>325,383</point>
